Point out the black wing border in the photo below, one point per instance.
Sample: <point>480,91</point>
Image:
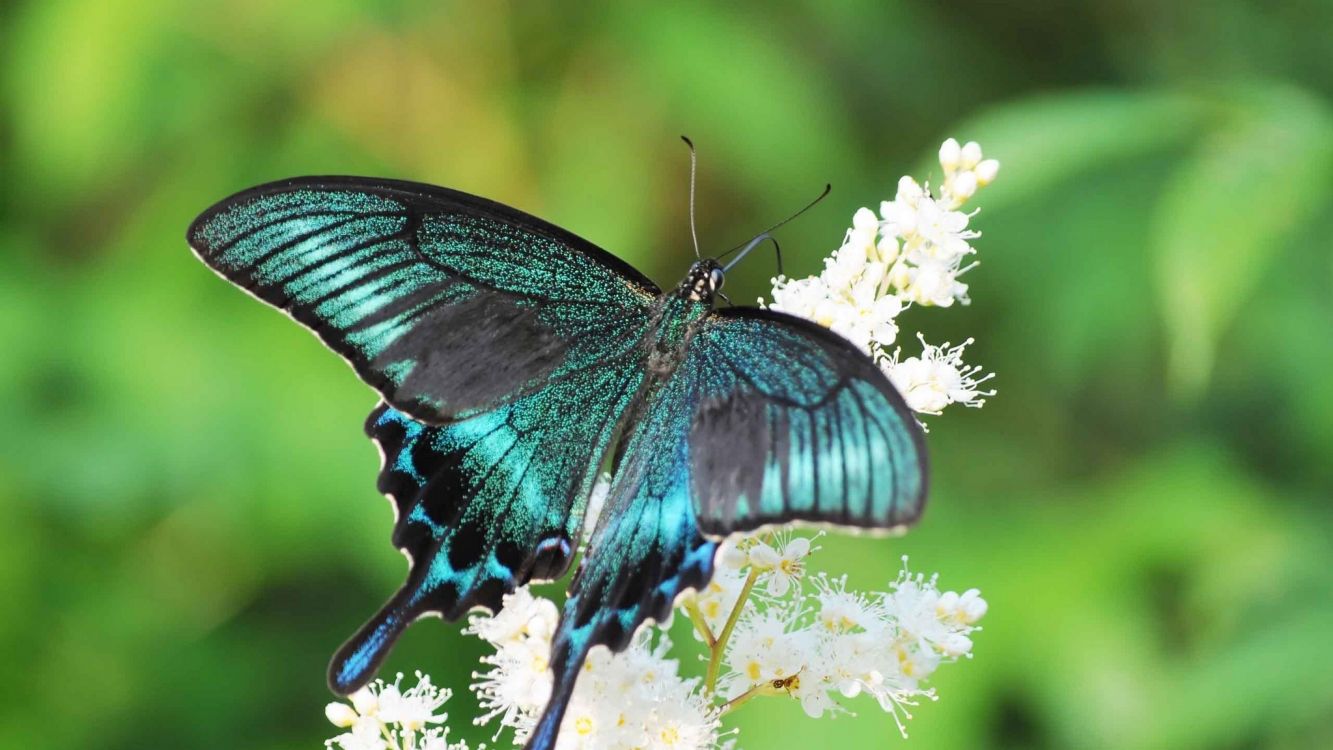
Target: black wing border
<point>422,197</point>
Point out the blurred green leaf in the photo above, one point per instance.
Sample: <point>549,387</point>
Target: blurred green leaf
<point>1226,213</point>
<point>1043,141</point>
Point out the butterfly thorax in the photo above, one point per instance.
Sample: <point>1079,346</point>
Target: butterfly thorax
<point>679,312</point>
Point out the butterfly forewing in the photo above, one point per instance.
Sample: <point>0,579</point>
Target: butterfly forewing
<point>446,303</point>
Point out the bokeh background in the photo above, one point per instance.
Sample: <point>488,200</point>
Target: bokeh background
<point>188,523</point>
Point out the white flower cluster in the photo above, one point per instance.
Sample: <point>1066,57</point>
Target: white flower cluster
<point>937,377</point>
<point>634,699</point>
<point>911,253</point>
<point>771,630</point>
<point>386,717</point>
<point>812,639</point>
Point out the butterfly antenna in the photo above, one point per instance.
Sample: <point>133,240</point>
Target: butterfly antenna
<point>694,161</point>
<point>767,234</point>
<point>752,244</point>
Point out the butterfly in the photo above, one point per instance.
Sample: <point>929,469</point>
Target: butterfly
<point>513,358</point>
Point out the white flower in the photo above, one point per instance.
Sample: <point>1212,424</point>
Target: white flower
<point>865,316</point>
<point>768,645</point>
<point>964,609</point>
<point>731,554</point>
<point>840,610</point>
<point>931,283</point>
<point>986,172</point>
<point>596,501</point>
<point>830,642</point>
<point>386,717</point>
<point>935,242</point>
<point>517,685</point>
<point>340,715</point>
<point>938,234</point>
<point>950,154</point>
<point>782,568</point>
<point>800,297</point>
<point>934,623</point>
<point>415,708</point>
<point>719,597</point>
<point>438,739</point>
<point>637,699</point>
<point>521,616</point>
<point>364,736</point>
<point>937,378</point>
<point>900,213</point>
<point>365,701</point>
<point>687,723</point>
<point>519,682</point>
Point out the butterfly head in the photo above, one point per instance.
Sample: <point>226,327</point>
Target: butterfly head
<point>703,282</point>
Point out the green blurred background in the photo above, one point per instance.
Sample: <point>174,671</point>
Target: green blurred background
<point>188,522</point>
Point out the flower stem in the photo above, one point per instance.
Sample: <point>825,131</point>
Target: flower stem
<point>740,700</point>
<point>700,623</point>
<point>720,645</point>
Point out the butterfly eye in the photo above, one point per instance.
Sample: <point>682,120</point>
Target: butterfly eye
<point>715,278</point>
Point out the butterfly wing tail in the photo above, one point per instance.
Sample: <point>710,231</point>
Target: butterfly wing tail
<point>359,658</point>
<point>646,551</point>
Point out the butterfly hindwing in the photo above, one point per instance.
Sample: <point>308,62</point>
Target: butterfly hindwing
<point>486,503</point>
<point>445,303</point>
<point>793,423</point>
<point>646,550</point>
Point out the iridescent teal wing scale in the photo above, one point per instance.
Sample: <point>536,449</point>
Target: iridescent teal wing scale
<point>445,303</point>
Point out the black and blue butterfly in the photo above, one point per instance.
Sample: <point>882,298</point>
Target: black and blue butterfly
<point>514,358</point>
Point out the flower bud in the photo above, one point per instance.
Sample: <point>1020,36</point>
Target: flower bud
<point>909,191</point>
<point>964,186</point>
<point>340,715</point>
<point>956,644</point>
<point>950,154</point>
<point>864,220</point>
<point>970,155</point>
<point>986,172</point>
<point>364,701</point>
